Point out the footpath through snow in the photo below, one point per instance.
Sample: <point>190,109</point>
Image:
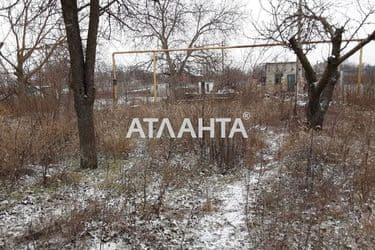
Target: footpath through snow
<point>226,227</point>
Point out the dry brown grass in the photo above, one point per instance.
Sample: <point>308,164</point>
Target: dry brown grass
<point>325,176</point>
<point>67,228</point>
<point>225,153</point>
<point>111,127</point>
<point>44,137</point>
<point>27,141</point>
<point>362,96</point>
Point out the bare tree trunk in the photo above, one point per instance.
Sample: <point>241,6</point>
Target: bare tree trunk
<point>318,103</point>
<point>86,130</point>
<point>82,76</point>
<point>320,90</point>
<point>309,22</point>
<point>172,74</point>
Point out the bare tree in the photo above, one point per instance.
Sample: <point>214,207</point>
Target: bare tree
<point>32,39</point>
<point>296,22</point>
<point>35,26</point>
<point>183,23</point>
<point>82,64</point>
<point>82,75</point>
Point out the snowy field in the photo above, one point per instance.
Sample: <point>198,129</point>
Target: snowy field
<point>214,219</point>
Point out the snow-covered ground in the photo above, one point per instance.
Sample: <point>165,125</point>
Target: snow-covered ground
<point>208,215</point>
<point>226,227</point>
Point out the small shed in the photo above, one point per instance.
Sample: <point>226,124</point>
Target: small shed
<point>205,87</point>
<point>281,74</point>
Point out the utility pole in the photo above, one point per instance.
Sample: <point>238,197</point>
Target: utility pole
<point>298,79</point>
<point>360,69</point>
<point>155,80</point>
<point>114,81</point>
<point>222,57</point>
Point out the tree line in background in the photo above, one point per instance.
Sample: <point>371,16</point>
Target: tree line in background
<point>42,34</point>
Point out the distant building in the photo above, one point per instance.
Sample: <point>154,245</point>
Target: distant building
<point>281,74</point>
<point>205,87</point>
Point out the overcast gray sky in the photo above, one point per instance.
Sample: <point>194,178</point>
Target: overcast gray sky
<point>349,9</point>
<point>252,8</point>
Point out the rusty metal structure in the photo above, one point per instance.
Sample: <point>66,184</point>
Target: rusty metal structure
<point>155,52</point>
